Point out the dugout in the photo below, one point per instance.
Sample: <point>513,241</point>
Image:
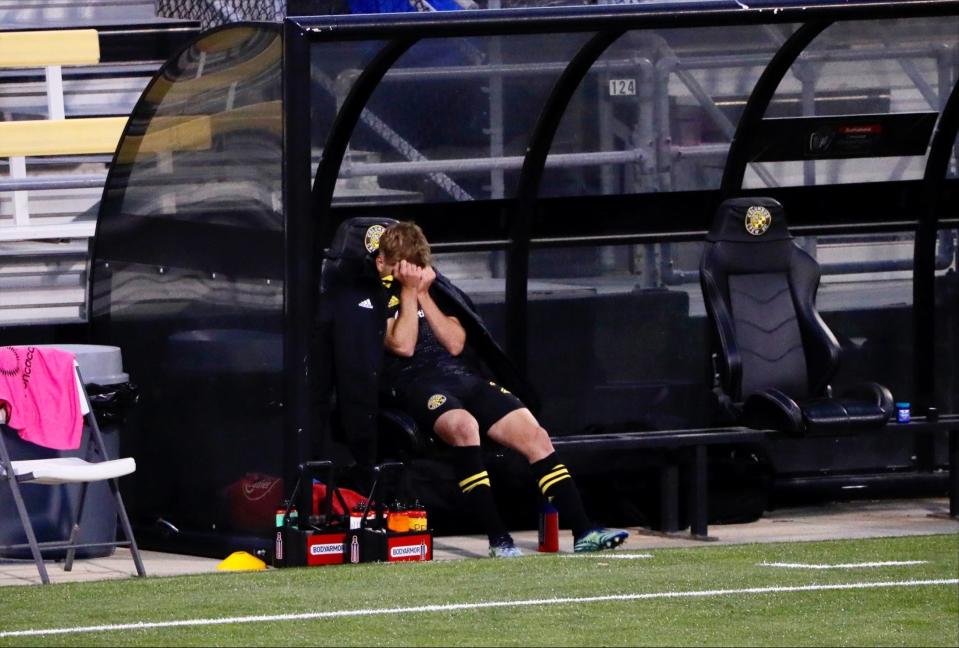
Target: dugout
<point>566,163</point>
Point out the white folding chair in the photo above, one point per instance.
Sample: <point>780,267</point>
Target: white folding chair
<point>68,470</point>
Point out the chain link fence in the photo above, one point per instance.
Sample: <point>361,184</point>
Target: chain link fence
<point>211,13</point>
<point>217,12</point>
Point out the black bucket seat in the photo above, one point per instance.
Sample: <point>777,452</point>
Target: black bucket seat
<point>774,355</point>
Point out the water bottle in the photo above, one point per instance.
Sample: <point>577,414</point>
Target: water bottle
<point>548,529</point>
<point>903,413</point>
<point>417,516</point>
<point>281,514</point>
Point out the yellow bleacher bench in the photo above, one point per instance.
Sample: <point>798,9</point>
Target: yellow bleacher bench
<point>27,49</point>
<point>82,136</point>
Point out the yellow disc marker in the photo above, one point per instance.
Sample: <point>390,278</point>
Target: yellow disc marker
<point>241,561</point>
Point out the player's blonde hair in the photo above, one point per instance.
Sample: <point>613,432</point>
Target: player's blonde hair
<point>405,241</point>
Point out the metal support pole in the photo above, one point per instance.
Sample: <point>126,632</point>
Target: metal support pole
<point>55,103</point>
<point>807,75</point>
<point>954,472</point>
<point>497,187</point>
<point>644,136</point>
<point>20,183</point>
<point>606,139</point>
<point>664,140</point>
<point>299,286</point>
<point>698,493</point>
<point>947,61</point>
<point>21,206</point>
<point>669,496</point>
<point>496,123</point>
<point>482,165</point>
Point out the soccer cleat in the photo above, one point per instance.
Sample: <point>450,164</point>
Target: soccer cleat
<point>599,539</point>
<point>503,547</point>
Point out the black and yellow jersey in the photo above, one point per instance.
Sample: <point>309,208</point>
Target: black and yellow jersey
<point>430,358</point>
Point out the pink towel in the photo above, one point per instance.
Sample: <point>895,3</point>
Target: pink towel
<point>38,389</point>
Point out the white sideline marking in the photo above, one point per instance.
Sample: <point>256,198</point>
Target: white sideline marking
<point>145,625</point>
<point>886,563</point>
<point>612,556</point>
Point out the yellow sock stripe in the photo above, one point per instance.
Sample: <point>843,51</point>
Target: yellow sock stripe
<point>555,481</point>
<point>558,469</point>
<point>479,475</point>
<point>482,482</point>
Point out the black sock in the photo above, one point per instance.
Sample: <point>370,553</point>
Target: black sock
<point>557,486</point>
<point>475,485</point>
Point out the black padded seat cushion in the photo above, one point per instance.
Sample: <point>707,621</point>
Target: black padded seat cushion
<point>813,417</point>
<point>832,415</point>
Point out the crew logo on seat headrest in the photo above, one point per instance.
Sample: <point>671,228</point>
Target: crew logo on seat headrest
<point>372,239</point>
<point>758,220</point>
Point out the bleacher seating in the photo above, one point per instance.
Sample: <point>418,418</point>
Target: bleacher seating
<point>71,73</point>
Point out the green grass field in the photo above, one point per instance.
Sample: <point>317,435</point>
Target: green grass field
<point>924,614</point>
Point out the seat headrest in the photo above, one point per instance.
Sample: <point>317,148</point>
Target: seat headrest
<point>358,237</point>
<point>749,220</point>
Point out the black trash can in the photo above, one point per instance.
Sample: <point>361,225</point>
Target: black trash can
<point>52,508</point>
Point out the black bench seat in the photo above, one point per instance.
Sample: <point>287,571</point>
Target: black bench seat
<point>662,438</point>
<point>691,445</point>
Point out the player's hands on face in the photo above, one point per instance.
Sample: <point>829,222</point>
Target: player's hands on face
<point>427,278</point>
<point>408,274</point>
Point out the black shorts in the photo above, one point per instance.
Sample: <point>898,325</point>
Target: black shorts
<point>428,399</point>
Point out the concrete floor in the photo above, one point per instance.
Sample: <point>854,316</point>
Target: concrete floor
<point>860,519</point>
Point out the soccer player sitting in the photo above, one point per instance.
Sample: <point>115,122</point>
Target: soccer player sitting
<point>426,372</point>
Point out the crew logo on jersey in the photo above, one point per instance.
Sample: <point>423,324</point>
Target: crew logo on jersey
<point>435,401</point>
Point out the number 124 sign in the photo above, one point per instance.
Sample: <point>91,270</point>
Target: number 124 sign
<point>622,87</point>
